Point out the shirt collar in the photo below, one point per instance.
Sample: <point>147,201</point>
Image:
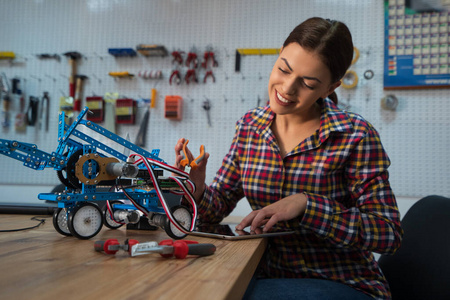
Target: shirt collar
<point>332,119</point>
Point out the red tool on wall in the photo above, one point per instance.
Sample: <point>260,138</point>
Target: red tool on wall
<point>79,92</point>
<point>73,56</point>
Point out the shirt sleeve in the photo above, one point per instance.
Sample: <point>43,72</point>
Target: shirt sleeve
<point>221,197</point>
<point>372,220</point>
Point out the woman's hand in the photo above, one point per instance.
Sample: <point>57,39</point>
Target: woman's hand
<point>283,210</point>
<point>198,175</point>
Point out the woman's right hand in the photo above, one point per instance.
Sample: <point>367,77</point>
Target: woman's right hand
<point>198,175</point>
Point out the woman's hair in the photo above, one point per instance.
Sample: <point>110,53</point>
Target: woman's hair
<point>331,40</point>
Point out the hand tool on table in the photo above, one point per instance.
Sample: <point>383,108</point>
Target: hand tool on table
<point>194,163</point>
<point>207,106</point>
<point>72,56</point>
<point>78,92</point>
<point>166,248</point>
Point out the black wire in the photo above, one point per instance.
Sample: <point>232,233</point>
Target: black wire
<point>41,221</point>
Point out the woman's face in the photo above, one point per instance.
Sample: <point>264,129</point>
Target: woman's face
<point>298,80</point>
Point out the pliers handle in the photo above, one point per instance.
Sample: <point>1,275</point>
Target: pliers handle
<point>194,163</point>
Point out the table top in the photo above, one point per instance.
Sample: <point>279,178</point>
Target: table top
<point>42,264</point>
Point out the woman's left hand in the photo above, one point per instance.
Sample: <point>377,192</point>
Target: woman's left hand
<point>283,210</point>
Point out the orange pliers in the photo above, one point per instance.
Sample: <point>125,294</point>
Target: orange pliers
<point>193,164</point>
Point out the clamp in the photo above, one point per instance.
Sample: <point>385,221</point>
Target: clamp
<point>190,74</point>
<point>194,163</point>
<point>209,74</point>
<point>175,74</point>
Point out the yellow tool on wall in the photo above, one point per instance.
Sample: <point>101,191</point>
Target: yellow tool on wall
<point>252,51</point>
<point>7,55</point>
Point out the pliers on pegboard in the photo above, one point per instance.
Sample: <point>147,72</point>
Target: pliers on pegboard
<point>192,59</point>
<point>194,163</point>
<point>209,55</point>
<point>209,74</point>
<point>175,74</point>
<point>177,57</point>
<point>190,75</point>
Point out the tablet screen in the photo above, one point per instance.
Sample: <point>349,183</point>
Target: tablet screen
<point>229,231</point>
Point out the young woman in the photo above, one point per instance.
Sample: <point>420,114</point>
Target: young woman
<point>304,164</point>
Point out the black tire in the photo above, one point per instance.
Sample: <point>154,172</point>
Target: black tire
<point>85,221</point>
<point>183,216</point>
<point>107,220</point>
<point>60,222</point>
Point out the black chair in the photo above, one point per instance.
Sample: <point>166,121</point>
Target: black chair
<point>420,269</point>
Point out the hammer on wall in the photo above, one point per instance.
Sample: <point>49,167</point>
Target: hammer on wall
<point>78,96</point>
<point>73,56</point>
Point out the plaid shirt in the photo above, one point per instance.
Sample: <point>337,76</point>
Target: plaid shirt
<point>351,210</point>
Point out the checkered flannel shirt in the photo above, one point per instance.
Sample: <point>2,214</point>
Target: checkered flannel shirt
<point>351,210</point>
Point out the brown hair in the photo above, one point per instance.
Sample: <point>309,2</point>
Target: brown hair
<point>332,40</point>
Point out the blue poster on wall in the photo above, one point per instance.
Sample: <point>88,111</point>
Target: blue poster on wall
<point>417,47</point>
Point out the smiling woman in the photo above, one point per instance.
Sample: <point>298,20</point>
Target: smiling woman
<point>305,165</point>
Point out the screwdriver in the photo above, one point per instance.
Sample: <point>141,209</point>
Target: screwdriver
<point>166,248</point>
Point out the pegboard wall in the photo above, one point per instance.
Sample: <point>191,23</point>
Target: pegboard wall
<point>415,135</point>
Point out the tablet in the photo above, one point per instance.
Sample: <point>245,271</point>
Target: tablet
<point>229,232</point>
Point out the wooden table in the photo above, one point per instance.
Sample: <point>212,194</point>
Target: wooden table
<point>42,264</point>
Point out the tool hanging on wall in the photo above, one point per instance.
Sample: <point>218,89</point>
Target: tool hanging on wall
<point>122,52</point>
<point>6,107</point>
<point>110,111</point>
<point>152,50</point>
<point>209,74</point>
<point>32,111</point>
<point>4,90</point>
<point>96,107</point>
<point>209,57</point>
<point>192,60</point>
<point>173,107</point>
<point>7,55</point>
<point>125,111</point>
<point>177,57</point>
<point>207,107</point>
<point>190,76</point>
<point>73,56</point>
<point>79,92</point>
<point>389,102</point>
<point>252,51</point>
<point>44,103</point>
<point>350,80</point>
<point>121,74</point>
<point>175,77</point>
<point>21,117</point>
<point>49,56</point>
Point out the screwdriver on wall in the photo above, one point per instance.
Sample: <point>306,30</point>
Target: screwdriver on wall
<point>207,106</point>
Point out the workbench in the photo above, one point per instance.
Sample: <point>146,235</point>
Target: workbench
<point>42,264</point>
